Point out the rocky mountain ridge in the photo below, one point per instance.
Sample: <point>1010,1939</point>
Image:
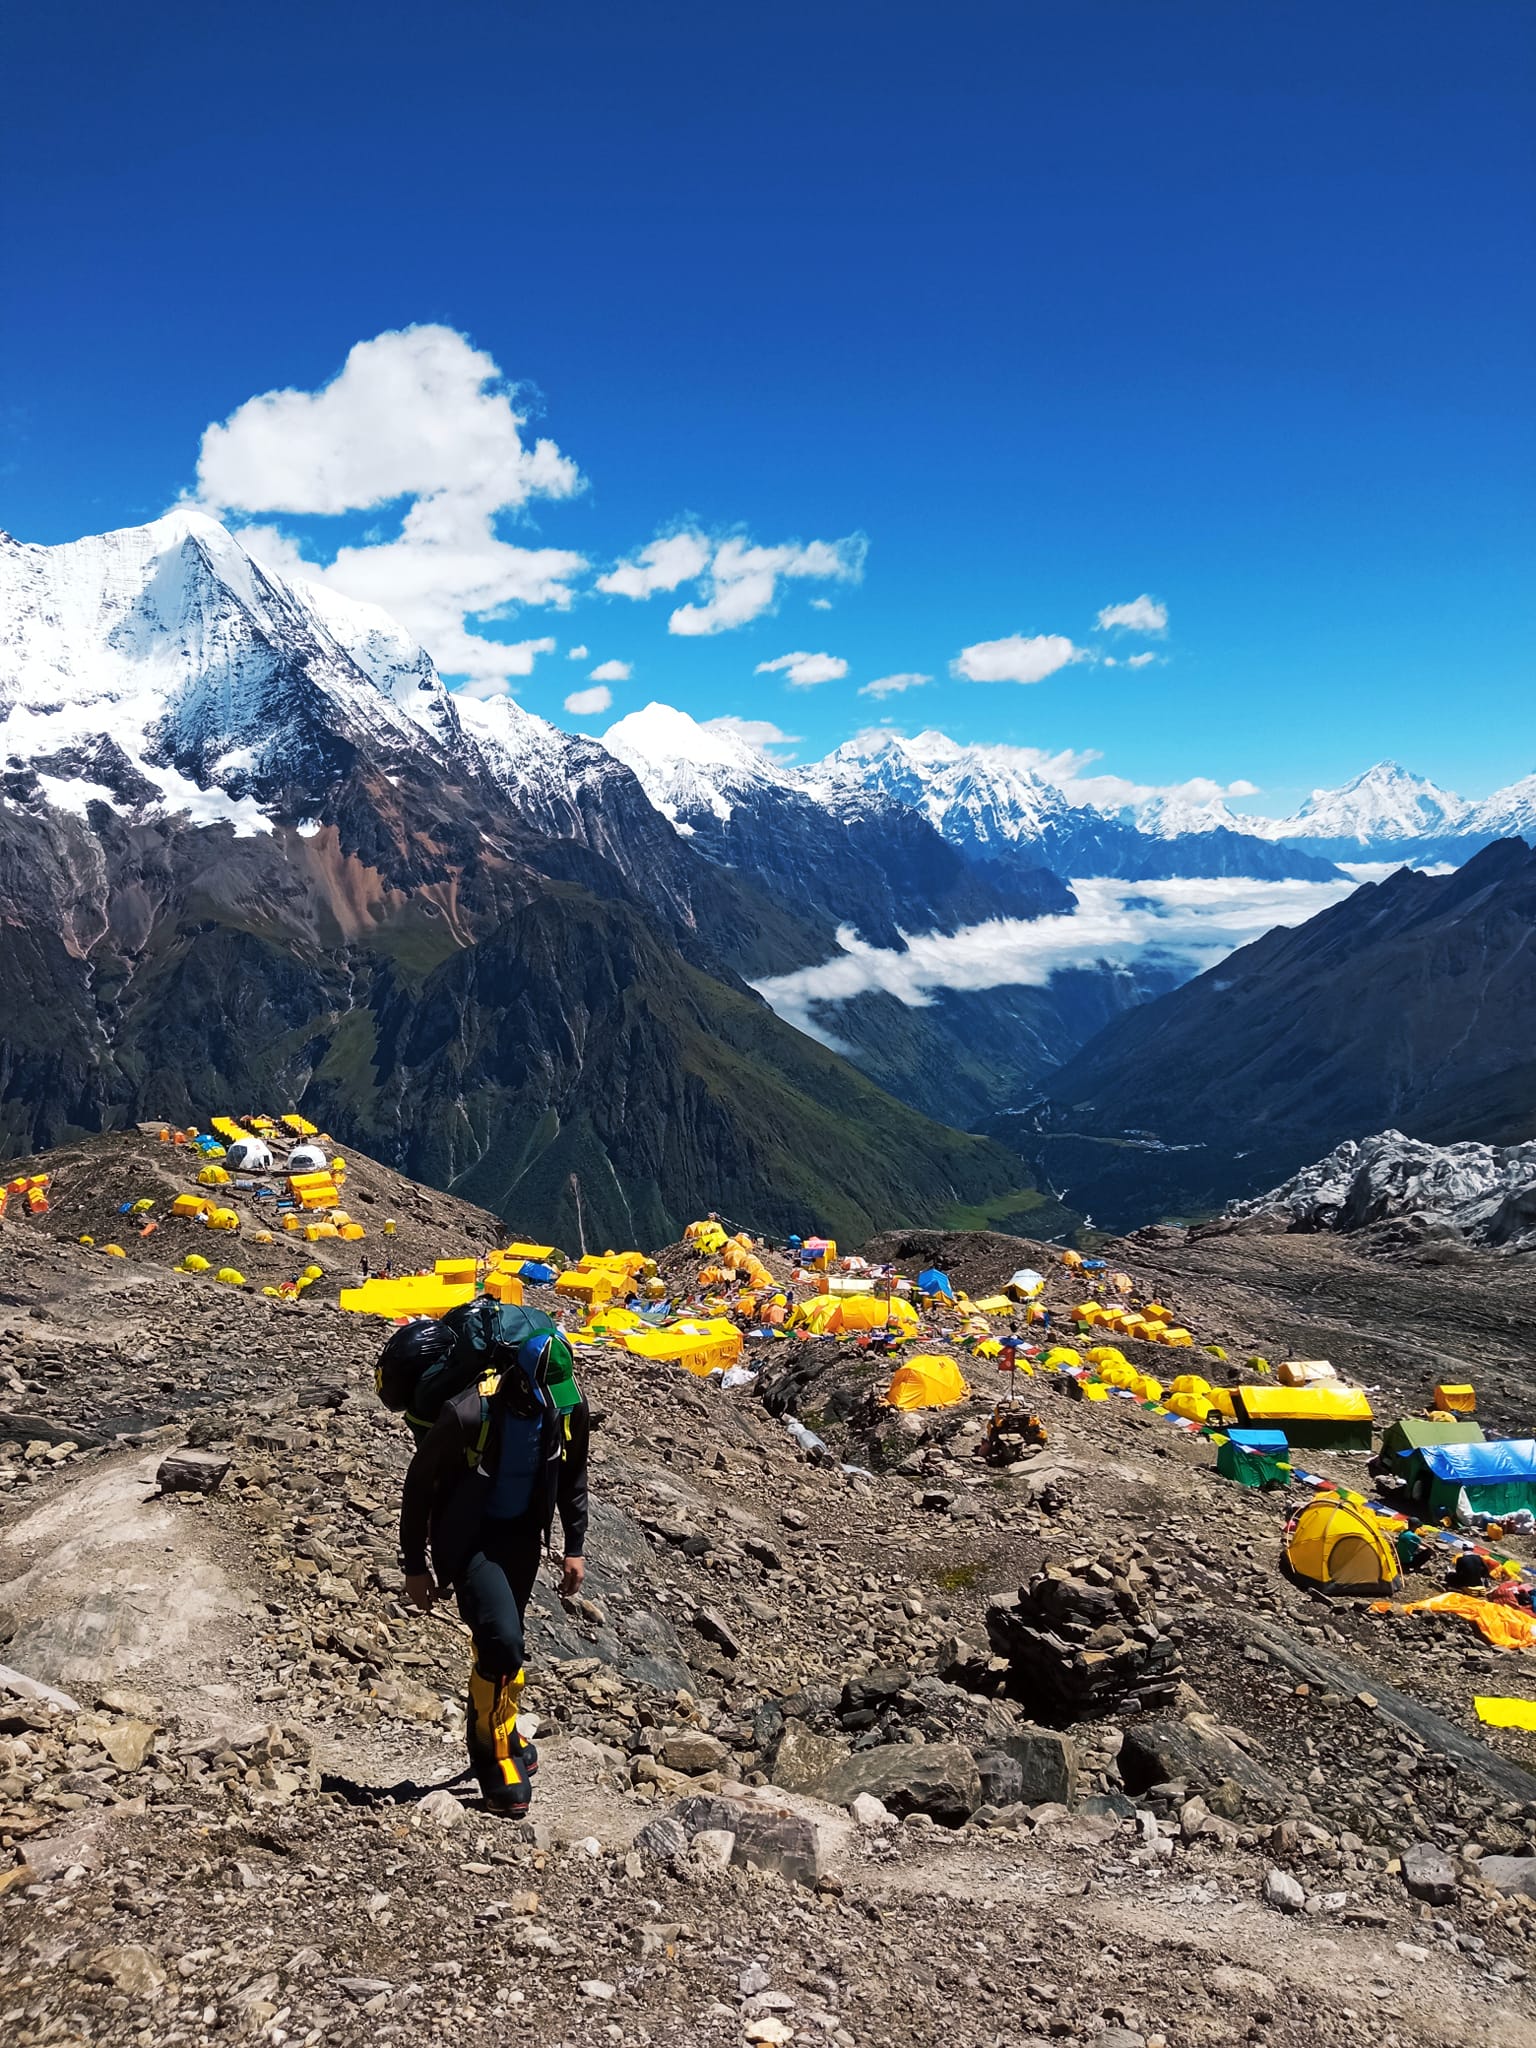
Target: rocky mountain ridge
<point>1484,1193</point>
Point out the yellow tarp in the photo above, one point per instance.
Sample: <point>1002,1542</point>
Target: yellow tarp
<point>927,1381</point>
<point>226,1128</point>
<point>300,1126</point>
<point>540,1254</point>
<point>421,1294</point>
<point>1331,1402</point>
<point>698,1347</point>
<point>1505,1713</point>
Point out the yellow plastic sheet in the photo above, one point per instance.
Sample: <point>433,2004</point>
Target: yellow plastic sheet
<point>1505,1713</point>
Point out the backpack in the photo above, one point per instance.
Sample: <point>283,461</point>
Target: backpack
<point>428,1363</point>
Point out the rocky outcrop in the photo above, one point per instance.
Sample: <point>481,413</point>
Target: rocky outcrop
<point>1484,1193</point>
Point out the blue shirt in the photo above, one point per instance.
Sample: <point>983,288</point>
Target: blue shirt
<point>517,1465</point>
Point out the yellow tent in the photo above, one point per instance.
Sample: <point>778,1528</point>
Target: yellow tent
<point>1333,1543</point>
<point>1106,1354</point>
<point>1193,1407</point>
<point>1061,1354</point>
<point>1192,1383</point>
<point>927,1381</point>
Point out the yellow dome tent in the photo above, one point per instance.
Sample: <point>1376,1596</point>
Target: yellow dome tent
<point>927,1381</point>
<point>1333,1543</point>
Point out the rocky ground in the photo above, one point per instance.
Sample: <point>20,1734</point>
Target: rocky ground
<point>794,1784</point>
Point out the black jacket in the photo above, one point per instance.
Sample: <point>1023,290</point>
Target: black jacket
<point>448,1484</point>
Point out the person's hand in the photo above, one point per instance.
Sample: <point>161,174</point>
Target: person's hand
<point>574,1570</point>
<point>420,1589</point>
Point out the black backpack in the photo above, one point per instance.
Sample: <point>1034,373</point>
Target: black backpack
<point>426,1364</point>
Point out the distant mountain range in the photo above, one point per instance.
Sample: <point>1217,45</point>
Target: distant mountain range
<point>251,850</point>
<point>1407,1006</point>
<point>250,844</point>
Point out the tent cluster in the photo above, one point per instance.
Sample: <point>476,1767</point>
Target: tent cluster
<point>27,1190</point>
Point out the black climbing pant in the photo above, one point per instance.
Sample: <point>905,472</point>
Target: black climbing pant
<point>493,1593</point>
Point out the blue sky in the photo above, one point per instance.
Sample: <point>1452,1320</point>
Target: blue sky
<point>1051,306</point>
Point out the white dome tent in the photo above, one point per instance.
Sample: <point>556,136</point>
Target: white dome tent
<point>306,1159</point>
<point>249,1155</point>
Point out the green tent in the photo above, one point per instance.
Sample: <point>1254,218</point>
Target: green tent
<point>1255,1457</point>
<point>1417,1432</point>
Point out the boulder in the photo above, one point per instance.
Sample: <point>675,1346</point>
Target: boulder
<point>936,1778</point>
<point>1510,1874</point>
<point>1047,1763</point>
<point>1429,1874</point>
<point>802,1762</point>
<point>694,1753</point>
<point>1158,1752</point>
<point>767,1837</point>
<point>1282,1891</point>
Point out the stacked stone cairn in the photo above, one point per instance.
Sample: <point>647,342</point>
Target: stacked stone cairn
<point>1079,1642</point>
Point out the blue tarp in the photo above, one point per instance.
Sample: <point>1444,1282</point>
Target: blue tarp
<point>1482,1464</point>
<point>532,1271</point>
<point>1260,1439</point>
<point>932,1281</point>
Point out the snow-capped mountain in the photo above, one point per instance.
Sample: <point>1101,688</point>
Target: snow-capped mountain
<point>985,799</point>
<point>688,769</point>
<point>853,852</point>
<point>1386,807</point>
<point>1389,813</point>
<point>162,667</point>
<point>991,803</point>
<point>1510,813</point>
<point>1172,817</point>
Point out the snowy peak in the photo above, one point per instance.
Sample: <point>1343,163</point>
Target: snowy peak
<point>1172,817</point>
<point>1510,813</point>
<point>690,770</point>
<point>215,680</point>
<point>1387,804</point>
<point>984,799</point>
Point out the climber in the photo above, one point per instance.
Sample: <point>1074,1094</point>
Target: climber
<point>483,1489</point>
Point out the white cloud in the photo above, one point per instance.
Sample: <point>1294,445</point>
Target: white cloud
<point>743,581</point>
<point>577,653</point>
<point>757,732</point>
<point>738,581</point>
<point>1191,923</point>
<point>612,672</point>
<point>893,686</point>
<point>804,671</point>
<point>1136,660</point>
<point>664,564</point>
<point>1020,658</point>
<point>1142,615</point>
<point>414,414</point>
<point>587,703</point>
<point>821,604</point>
<point>516,658</point>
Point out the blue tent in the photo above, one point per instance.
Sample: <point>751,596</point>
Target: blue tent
<point>1497,1478</point>
<point>533,1271</point>
<point>932,1281</point>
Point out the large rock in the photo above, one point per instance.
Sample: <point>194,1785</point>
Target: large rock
<point>693,1753</point>
<point>1429,1874</point>
<point>801,1761</point>
<point>1047,1763</point>
<point>936,1778</point>
<point>1195,1750</point>
<point>767,1837</point>
<point>1510,1874</point>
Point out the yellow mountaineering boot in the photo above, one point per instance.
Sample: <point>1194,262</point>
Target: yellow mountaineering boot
<point>501,1759</point>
